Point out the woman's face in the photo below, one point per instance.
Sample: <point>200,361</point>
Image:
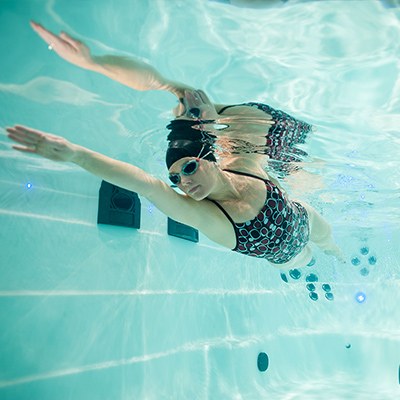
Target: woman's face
<point>197,185</point>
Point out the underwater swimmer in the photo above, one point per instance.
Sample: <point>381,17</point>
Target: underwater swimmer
<point>233,202</point>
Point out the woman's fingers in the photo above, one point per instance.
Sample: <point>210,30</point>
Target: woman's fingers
<point>203,96</point>
<point>63,45</point>
<point>190,98</point>
<point>19,137</point>
<point>70,40</point>
<point>27,130</point>
<point>25,149</point>
<point>32,134</point>
<point>43,144</point>
<point>24,135</point>
<point>46,35</point>
<point>67,47</point>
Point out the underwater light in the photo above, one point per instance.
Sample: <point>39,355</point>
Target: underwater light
<point>29,185</point>
<point>360,297</point>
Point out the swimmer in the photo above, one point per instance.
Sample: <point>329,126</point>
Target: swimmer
<point>232,201</point>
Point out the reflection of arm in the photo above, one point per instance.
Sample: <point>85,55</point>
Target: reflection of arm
<point>136,74</point>
<point>129,71</point>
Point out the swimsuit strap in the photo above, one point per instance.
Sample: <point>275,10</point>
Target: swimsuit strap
<point>245,174</point>
<point>226,213</point>
<point>231,221</point>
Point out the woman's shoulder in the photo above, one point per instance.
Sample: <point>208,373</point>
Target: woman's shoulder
<point>249,166</point>
<point>245,165</point>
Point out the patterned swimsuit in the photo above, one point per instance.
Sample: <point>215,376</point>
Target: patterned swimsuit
<point>282,137</point>
<point>278,233</point>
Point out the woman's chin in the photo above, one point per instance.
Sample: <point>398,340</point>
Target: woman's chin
<point>198,194</point>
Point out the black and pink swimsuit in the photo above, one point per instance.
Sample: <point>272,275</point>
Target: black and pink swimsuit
<point>278,233</point>
<point>287,130</point>
<point>281,138</point>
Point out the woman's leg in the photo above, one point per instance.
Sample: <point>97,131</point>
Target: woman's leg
<point>300,261</point>
<point>321,233</point>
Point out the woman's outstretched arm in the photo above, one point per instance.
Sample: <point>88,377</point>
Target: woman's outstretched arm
<point>131,72</point>
<point>202,215</point>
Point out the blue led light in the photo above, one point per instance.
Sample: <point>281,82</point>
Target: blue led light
<point>360,297</point>
<point>29,185</point>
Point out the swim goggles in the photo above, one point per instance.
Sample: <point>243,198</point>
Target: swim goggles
<point>188,169</point>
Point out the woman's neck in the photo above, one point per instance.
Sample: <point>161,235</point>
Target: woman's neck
<point>225,188</point>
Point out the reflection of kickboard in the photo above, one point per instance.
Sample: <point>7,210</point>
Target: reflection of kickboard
<point>310,279</point>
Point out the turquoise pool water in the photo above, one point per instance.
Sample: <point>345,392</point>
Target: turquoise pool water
<point>102,312</point>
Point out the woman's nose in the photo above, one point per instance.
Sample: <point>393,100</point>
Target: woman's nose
<point>185,180</point>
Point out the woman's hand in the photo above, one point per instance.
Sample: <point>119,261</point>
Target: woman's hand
<point>70,49</point>
<point>199,106</point>
<point>43,144</point>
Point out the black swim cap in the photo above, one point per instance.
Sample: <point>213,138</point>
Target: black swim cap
<point>178,149</point>
<point>188,130</point>
<point>185,140</point>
